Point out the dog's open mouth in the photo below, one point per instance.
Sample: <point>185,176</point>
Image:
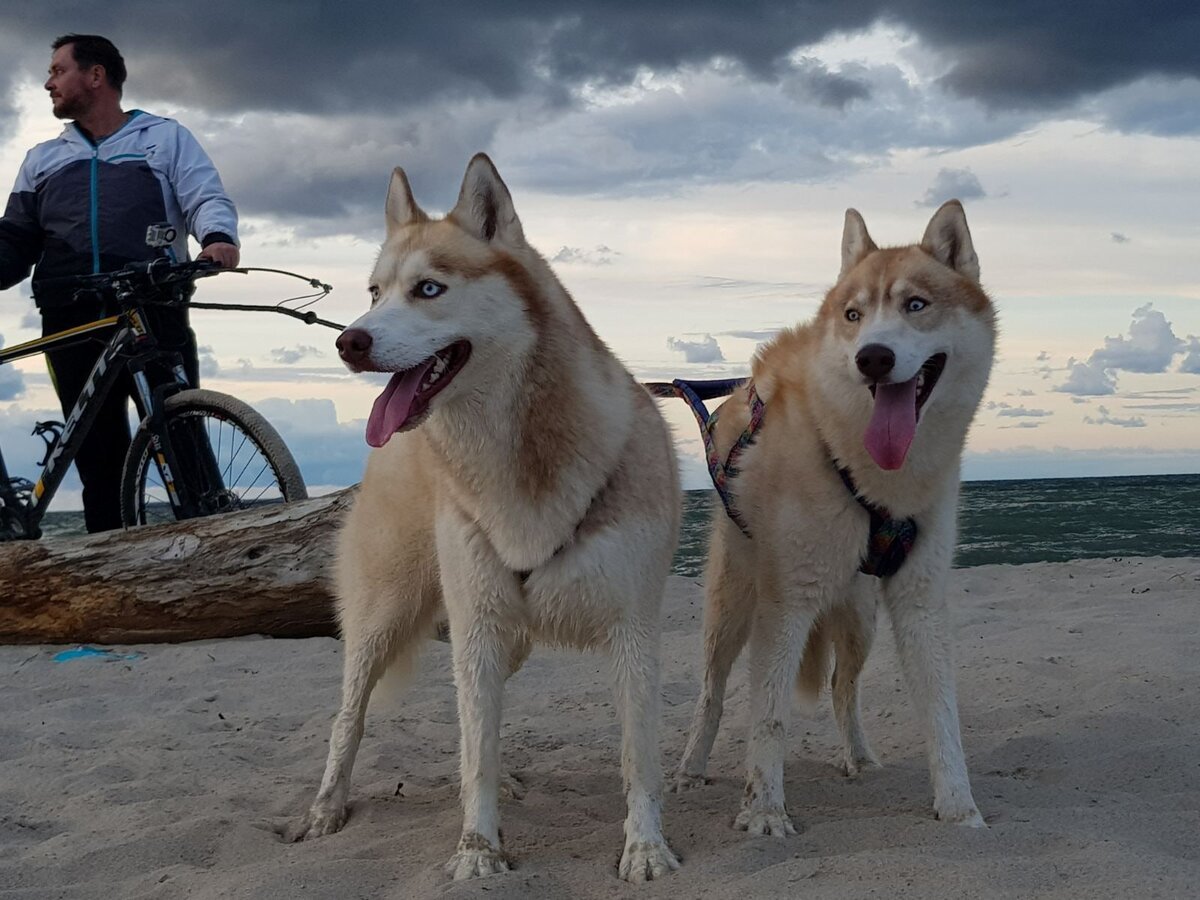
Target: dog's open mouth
<point>897,409</point>
<point>405,400</point>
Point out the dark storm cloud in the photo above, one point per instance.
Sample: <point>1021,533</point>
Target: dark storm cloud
<point>307,104</point>
<point>331,55</point>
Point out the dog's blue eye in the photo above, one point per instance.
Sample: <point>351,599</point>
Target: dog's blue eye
<point>916,304</point>
<point>428,289</point>
<point>853,315</point>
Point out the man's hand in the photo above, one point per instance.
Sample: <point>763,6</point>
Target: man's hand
<point>224,255</point>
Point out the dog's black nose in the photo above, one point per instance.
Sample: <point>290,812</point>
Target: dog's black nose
<point>875,361</point>
<point>354,344</point>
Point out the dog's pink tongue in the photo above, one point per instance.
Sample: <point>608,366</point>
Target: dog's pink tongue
<point>392,407</point>
<point>893,424</point>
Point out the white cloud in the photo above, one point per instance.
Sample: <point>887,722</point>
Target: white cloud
<point>291,355</point>
<point>209,366</point>
<point>1020,412</point>
<point>706,350</point>
<point>1150,346</point>
<point>1191,359</point>
<point>1087,380</point>
<point>600,256</point>
<point>1106,418</point>
<point>12,384</point>
<point>1148,349</point>
<point>953,184</point>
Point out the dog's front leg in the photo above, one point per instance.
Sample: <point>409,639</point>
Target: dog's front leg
<point>634,647</point>
<point>780,629</point>
<point>916,601</point>
<point>482,600</point>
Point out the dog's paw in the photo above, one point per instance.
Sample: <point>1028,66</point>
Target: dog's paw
<point>772,821</point>
<point>646,860</point>
<point>684,782</point>
<point>316,823</point>
<point>475,858</point>
<point>965,814</point>
<point>850,766</point>
<point>511,788</point>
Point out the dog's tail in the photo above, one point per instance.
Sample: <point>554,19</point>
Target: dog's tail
<point>814,664</point>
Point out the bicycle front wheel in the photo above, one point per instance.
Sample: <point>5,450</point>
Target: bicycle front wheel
<point>228,457</point>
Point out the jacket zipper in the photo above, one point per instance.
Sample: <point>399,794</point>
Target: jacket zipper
<point>95,208</point>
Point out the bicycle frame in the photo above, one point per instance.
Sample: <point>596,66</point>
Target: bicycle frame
<point>130,347</point>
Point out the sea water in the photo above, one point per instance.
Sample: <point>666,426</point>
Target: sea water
<point>1037,520</point>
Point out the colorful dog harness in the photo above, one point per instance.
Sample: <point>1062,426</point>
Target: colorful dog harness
<point>889,540</point>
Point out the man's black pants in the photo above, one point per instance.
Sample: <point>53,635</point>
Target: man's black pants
<point>101,456</point>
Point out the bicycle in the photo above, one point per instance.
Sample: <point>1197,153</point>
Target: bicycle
<point>195,452</point>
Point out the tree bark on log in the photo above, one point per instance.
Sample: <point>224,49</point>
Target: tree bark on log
<point>264,571</point>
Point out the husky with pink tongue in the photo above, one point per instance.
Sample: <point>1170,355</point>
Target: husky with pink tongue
<point>864,414</point>
<point>522,488</point>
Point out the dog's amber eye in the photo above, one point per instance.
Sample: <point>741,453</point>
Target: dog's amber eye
<point>374,289</point>
<point>916,304</point>
<point>427,289</point>
<point>853,315</point>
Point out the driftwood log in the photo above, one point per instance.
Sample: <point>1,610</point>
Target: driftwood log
<point>263,571</point>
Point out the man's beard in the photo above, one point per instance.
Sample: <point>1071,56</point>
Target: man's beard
<point>69,109</point>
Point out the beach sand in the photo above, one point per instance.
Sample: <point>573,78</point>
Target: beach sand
<point>170,770</point>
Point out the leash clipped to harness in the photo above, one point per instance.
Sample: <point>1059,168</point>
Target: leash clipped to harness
<point>694,393</point>
<point>889,540</point>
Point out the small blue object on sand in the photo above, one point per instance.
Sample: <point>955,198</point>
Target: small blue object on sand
<point>80,652</point>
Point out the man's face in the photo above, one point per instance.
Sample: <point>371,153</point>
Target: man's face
<point>71,88</point>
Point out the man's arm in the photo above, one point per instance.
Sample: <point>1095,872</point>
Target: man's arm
<point>210,215</point>
<point>20,234</point>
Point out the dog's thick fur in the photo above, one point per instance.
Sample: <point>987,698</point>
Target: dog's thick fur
<point>532,497</point>
<point>793,589</point>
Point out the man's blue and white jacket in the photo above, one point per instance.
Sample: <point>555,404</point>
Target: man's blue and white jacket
<point>80,207</point>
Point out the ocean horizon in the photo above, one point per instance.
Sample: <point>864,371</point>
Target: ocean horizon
<point>1002,521</point>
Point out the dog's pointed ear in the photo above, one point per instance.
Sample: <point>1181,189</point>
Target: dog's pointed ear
<point>856,242</point>
<point>400,207</point>
<point>948,240</point>
<point>484,207</point>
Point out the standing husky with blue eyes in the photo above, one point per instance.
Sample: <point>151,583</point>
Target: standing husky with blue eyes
<point>848,489</point>
<point>523,487</point>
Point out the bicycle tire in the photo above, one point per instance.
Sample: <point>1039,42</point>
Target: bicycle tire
<point>240,429</point>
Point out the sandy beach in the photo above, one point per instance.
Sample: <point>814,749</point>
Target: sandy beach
<point>171,770</point>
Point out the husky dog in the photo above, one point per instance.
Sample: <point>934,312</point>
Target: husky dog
<point>866,411</point>
<point>523,488</point>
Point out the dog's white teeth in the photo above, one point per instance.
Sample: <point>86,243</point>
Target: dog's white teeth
<point>439,365</point>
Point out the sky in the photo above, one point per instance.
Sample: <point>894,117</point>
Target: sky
<point>686,169</point>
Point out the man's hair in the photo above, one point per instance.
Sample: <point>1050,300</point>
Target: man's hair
<point>93,50</point>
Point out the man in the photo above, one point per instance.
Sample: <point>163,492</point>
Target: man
<point>82,204</point>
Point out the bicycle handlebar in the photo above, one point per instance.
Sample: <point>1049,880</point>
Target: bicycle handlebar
<point>154,273</point>
<point>140,277</point>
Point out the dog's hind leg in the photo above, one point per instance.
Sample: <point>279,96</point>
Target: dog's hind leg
<point>389,634</point>
<point>634,648</point>
<point>852,630</point>
<point>777,641</point>
<point>728,612</point>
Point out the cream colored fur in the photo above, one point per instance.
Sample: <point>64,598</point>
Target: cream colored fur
<point>795,582</point>
<point>536,502</point>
